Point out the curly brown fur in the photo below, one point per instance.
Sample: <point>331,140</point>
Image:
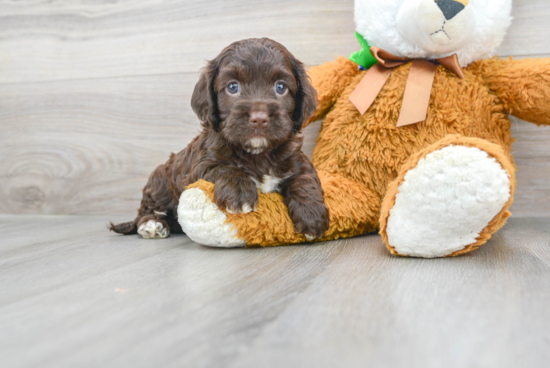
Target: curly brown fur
<point>250,139</point>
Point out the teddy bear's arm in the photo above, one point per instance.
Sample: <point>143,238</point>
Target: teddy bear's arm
<point>329,80</point>
<point>523,86</point>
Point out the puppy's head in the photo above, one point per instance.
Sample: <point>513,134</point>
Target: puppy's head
<point>255,93</point>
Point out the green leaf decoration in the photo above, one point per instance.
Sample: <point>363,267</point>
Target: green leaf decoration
<point>364,56</point>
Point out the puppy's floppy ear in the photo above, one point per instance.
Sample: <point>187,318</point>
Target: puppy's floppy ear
<point>204,101</point>
<point>306,96</point>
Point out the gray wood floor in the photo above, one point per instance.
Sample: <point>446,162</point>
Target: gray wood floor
<point>74,295</point>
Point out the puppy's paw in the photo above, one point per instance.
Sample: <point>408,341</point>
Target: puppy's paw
<point>312,220</point>
<point>246,208</point>
<point>236,199</point>
<point>154,229</point>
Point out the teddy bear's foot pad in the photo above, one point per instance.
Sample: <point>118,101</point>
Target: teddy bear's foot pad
<point>204,223</point>
<point>445,202</point>
<point>153,230</point>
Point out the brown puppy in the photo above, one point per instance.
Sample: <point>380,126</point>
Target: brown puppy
<point>251,100</point>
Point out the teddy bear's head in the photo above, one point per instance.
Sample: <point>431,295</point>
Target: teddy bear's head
<point>433,29</point>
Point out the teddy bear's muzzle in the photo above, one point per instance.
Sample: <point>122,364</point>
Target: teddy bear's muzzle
<point>440,26</point>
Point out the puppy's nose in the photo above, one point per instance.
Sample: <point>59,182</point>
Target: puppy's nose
<point>451,8</point>
<point>259,119</point>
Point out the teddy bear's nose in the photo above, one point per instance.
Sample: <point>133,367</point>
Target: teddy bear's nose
<point>451,8</point>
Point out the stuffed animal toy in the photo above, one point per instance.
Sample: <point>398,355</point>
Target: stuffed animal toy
<point>415,141</point>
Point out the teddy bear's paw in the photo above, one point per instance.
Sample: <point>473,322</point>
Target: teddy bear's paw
<point>203,222</point>
<point>446,201</point>
<point>153,229</point>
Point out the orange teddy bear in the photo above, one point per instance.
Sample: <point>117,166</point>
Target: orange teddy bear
<point>434,187</point>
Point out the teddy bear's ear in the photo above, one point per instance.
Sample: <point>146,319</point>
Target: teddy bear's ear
<point>306,96</point>
<point>204,101</point>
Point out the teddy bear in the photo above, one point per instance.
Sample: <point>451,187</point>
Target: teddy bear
<point>415,141</point>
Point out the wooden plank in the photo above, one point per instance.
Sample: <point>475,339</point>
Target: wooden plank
<point>398,312</point>
<point>532,155</point>
<point>62,40</point>
<point>92,299</point>
<point>529,32</point>
<point>88,146</point>
<point>80,39</point>
<point>93,275</point>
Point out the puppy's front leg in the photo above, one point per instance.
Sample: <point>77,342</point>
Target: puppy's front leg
<point>306,206</point>
<point>235,191</point>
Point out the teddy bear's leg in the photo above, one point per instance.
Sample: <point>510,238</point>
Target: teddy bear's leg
<point>448,199</point>
<point>353,210</point>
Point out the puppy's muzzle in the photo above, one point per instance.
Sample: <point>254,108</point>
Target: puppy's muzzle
<point>259,119</point>
<point>259,115</point>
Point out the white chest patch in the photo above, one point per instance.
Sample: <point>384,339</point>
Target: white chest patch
<point>269,184</point>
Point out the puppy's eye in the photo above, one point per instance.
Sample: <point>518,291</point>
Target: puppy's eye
<point>280,88</point>
<point>233,88</point>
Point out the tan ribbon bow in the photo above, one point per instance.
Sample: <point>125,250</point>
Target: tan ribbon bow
<point>417,91</point>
